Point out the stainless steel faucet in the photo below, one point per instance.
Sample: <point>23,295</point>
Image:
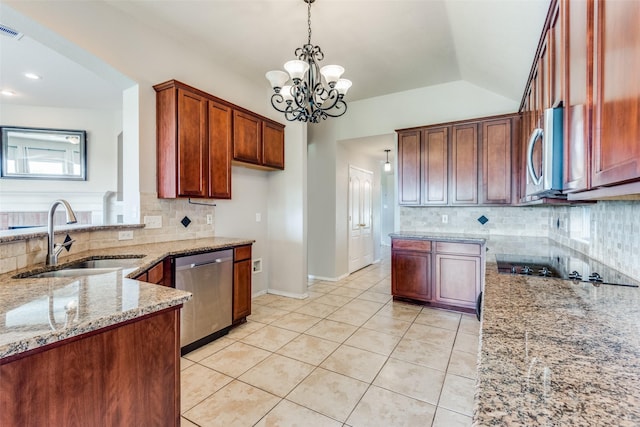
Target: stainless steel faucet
<point>53,248</point>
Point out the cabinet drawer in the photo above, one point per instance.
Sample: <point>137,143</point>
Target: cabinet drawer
<point>241,253</point>
<point>458,248</point>
<point>412,245</point>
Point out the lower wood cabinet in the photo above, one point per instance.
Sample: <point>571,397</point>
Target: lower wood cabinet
<point>241,283</point>
<point>128,375</point>
<point>411,272</point>
<point>458,274</point>
<point>444,274</point>
<point>159,274</point>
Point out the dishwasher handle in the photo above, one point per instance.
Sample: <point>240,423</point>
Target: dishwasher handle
<point>202,264</point>
<point>215,261</point>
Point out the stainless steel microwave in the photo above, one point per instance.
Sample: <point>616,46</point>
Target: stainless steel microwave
<point>544,158</point>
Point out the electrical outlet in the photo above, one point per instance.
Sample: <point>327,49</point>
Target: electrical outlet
<point>125,235</point>
<point>153,221</point>
<point>258,217</point>
<point>209,219</point>
<point>445,219</point>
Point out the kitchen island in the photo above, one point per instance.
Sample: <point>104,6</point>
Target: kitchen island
<point>553,352</point>
<point>94,350</point>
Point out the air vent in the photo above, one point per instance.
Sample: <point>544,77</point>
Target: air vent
<point>10,32</point>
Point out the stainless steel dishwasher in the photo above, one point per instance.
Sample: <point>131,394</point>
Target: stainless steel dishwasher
<point>208,315</point>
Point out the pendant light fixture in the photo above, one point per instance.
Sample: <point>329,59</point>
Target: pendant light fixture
<point>306,92</point>
<point>387,165</point>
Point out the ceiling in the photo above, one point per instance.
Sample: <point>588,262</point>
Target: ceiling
<point>385,46</point>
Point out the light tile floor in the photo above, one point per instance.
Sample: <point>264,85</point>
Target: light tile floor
<point>346,356</point>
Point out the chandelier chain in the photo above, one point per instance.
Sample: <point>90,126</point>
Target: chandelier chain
<point>309,21</point>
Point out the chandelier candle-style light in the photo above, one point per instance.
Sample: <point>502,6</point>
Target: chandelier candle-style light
<point>306,92</point>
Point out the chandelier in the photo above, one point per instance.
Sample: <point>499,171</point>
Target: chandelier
<point>306,92</point>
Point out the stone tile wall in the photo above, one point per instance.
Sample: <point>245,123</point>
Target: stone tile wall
<point>615,234</point>
<point>520,221</point>
<point>20,254</point>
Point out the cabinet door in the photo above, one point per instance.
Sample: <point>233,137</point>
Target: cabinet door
<point>464,164</point>
<point>273,145</point>
<point>219,150</point>
<point>192,144</point>
<point>241,289</point>
<point>409,168</point>
<point>247,138</point>
<point>458,280</point>
<point>496,162</point>
<point>411,275</point>
<point>578,72</point>
<point>616,94</point>
<point>556,77</point>
<point>435,166</point>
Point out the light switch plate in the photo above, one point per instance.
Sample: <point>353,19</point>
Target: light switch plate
<point>258,217</point>
<point>153,221</point>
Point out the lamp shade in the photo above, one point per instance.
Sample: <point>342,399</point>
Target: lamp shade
<point>387,166</point>
<point>342,86</point>
<point>296,69</point>
<point>331,73</point>
<point>286,93</point>
<point>277,78</point>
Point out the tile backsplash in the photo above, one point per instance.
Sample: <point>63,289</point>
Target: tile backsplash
<point>609,231</point>
<point>19,254</point>
<point>520,221</point>
<point>614,235</point>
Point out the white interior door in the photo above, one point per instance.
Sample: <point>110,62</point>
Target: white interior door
<point>360,218</point>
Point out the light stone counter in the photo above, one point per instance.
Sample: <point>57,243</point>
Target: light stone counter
<point>554,353</point>
<point>38,311</point>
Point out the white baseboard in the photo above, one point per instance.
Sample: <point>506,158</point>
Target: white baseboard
<point>287,294</point>
<point>328,279</point>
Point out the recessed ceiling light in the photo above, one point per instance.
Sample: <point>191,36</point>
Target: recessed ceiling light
<point>32,76</point>
<point>7,92</point>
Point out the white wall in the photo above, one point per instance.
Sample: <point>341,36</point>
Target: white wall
<point>102,126</point>
<point>149,57</point>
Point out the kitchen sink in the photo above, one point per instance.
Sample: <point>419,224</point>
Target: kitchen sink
<point>103,263</point>
<point>71,272</point>
<point>87,267</point>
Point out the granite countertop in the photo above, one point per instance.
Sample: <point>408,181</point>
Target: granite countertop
<point>41,311</point>
<point>444,237</point>
<point>557,353</point>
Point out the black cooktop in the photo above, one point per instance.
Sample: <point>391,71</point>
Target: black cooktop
<point>579,270</point>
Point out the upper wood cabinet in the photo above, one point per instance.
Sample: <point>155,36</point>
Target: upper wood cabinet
<point>435,166</point>
<point>198,136</point>
<point>464,164</point>
<point>409,167</point>
<point>577,77</point>
<point>458,164</point>
<point>247,135</point>
<point>589,53</point>
<point>497,173</point>
<point>193,141</point>
<point>220,137</point>
<point>616,92</point>
<point>257,141</point>
<point>273,145</point>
